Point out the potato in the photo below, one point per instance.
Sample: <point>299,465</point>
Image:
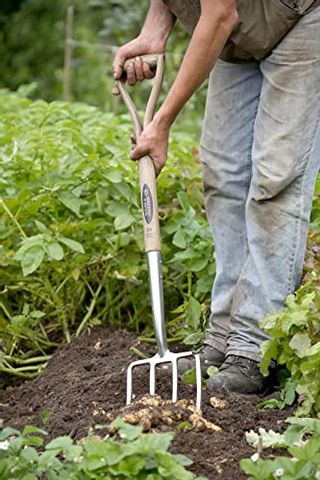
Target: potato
<point>219,403</point>
<point>131,418</point>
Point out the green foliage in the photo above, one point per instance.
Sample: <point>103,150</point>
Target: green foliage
<point>132,455</point>
<point>32,43</point>
<point>295,343</point>
<point>287,393</point>
<point>315,214</point>
<point>302,439</point>
<point>32,46</point>
<point>71,233</point>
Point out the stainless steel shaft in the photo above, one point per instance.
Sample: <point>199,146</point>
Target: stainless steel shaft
<point>156,291</point>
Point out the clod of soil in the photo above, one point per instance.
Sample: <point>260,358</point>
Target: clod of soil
<point>84,384</point>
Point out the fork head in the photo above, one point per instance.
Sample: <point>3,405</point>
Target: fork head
<point>172,359</point>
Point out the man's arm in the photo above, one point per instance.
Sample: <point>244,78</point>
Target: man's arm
<point>217,20</point>
<point>152,39</point>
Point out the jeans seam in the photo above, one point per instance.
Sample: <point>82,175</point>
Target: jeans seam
<point>243,353</point>
<point>212,342</point>
<point>300,188</point>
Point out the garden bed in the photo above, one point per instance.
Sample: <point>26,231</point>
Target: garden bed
<point>84,385</point>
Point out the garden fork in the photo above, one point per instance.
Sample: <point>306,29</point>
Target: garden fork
<point>147,179</point>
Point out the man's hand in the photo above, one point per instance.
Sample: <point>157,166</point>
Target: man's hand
<point>152,40</point>
<point>154,142</point>
<point>137,70</point>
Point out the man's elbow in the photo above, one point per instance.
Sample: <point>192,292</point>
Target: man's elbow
<point>225,12</point>
<point>228,13</point>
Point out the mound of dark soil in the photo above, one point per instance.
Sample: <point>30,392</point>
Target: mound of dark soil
<point>84,384</point>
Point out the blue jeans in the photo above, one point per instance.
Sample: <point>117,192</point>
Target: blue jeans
<point>260,151</point>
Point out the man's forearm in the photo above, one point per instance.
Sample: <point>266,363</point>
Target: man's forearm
<point>158,25</point>
<point>206,44</point>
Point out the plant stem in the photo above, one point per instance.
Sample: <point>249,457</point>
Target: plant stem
<point>18,373</point>
<point>90,310</point>
<point>138,352</point>
<point>13,218</point>
<point>27,361</point>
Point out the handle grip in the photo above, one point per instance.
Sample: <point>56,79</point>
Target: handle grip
<point>149,203</point>
<point>147,176</point>
<point>151,60</point>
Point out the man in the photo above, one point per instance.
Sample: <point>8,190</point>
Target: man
<point>260,152</point>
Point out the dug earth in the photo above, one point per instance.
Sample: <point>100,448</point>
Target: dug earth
<point>84,385</point>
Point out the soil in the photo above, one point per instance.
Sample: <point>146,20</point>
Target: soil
<point>84,385</point>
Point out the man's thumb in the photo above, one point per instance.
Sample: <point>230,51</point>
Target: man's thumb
<point>118,65</point>
<point>138,152</point>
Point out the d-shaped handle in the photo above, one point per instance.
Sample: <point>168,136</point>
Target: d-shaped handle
<point>147,176</point>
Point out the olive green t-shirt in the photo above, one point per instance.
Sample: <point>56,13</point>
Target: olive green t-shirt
<point>262,24</point>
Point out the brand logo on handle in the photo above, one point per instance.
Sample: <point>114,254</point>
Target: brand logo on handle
<point>147,203</point>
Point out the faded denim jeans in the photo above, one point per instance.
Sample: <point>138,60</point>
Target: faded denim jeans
<point>260,151</point>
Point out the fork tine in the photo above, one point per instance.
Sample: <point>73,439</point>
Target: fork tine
<point>171,358</point>
<point>174,380</point>
<point>152,380</point>
<point>129,377</point>
<point>129,383</point>
<point>198,380</point>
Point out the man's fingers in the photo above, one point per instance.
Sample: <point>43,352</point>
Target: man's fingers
<point>138,68</point>
<point>131,74</point>
<point>157,168</point>
<point>148,73</point>
<point>136,153</point>
<point>133,139</point>
<point>115,90</point>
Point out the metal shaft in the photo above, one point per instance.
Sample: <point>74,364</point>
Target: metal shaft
<point>156,290</point>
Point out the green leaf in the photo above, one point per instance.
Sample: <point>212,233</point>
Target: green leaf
<point>268,439</point>
<point>69,200</point>
<point>37,314</point>
<point>123,221</point>
<point>194,312</point>
<point>184,201</point>
<point>125,430</point>
<point>250,468</point>
<point>179,239</point>
<point>73,244</point>
<point>29,476</point>
<point>116,209</point>
<point>156,441</point>
<point>289,392</point>
<point>183,460</point>
<point>197,264</point>
<point>55,251</point>
<point>193,338</point>
<point>131,466</point>
<point>114,176</point>
<point>30,454</point>
<point>8,432</point>
<point>32,429</point>
<point>32,259</point>
<point>109,453</point>
<point>212,371</point>
<point>189,377</point>
<point>60,443</point>
<point>184,426</point>
<point>40,226</point>
<point>300,342</point>
<point>35,241</point>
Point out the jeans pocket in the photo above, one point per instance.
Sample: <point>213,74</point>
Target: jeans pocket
<point>301,7</point>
